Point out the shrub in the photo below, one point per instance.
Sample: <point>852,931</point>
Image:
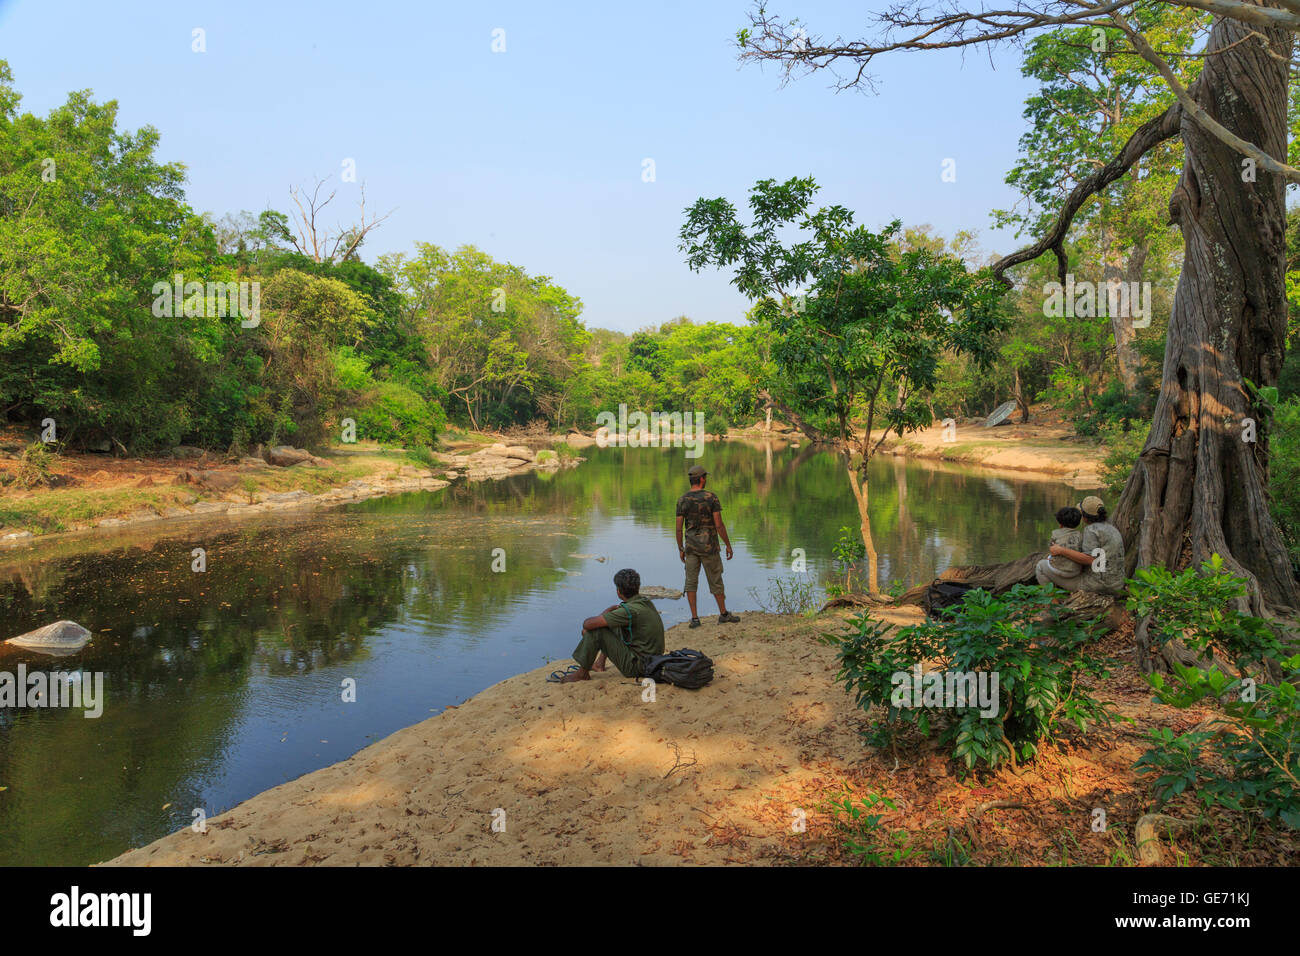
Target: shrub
<point>1284,474</point>
<point>1036,649</point>
<point>787,596</point>
<point>1196,608</point>
<point>1112,406</point>
<point>393,413</point>
<point>35,465</point>
<point>716,424</point>
<point>545,455</point>
<point>353,370</point>
<point>1123,442</point>
<point>1249,757</point>
<point>422,455</point>
<point>859,826</point>
<point>847,552</point>
<point>565,450</point>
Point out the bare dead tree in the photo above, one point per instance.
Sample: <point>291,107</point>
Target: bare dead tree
<point>318,241</point>
<point>1198,488</point>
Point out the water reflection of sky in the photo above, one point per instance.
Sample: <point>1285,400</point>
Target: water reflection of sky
<point>225,684</point>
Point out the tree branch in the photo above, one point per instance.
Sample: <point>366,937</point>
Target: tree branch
<point>1204,119</point>
<point>1147,136</point>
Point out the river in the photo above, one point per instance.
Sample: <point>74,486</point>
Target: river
<point>223,683</point>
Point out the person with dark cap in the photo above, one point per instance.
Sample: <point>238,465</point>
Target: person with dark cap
<point>628,633</point>
<point>699,525</point>
<point>1101,555</point>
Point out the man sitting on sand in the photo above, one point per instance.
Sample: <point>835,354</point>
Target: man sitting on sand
<point>628,633</point>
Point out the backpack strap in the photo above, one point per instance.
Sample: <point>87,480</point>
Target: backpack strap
<point>627,638</point>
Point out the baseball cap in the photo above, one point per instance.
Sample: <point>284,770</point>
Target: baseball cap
<point>697,471</point>
<point>1091,505</point>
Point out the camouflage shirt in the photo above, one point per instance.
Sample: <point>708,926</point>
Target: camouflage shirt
<point>697,507</point>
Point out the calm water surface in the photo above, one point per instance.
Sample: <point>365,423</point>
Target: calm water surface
<point>222,684</point>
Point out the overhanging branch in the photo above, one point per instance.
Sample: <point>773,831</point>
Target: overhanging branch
<point>1147,136</point>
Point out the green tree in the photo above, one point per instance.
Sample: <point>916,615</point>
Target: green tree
<point>856,322</point>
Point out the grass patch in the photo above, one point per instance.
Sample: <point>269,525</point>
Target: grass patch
<point>63,508</point>
<point>53,510</point>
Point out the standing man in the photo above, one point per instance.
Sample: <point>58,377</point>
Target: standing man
<point>699,517</point>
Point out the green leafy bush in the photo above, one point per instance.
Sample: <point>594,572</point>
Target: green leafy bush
<point>353,370</point>
<point>716,424</point>
<point>1284,473</point>
<point>858,823</point>
<point>1197,608</point>
<point>394,413</point>
<point>848,551</point>
<point>1123,442</point>
<point>1036,649</point>
<point>1248,758</point>
<point>424,456</point>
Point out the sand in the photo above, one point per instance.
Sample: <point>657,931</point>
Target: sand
<point>1047,448</point>
<point>586,773</point>
<point>593,774</point>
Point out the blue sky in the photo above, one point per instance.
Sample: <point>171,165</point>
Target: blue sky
<point>535,154</point>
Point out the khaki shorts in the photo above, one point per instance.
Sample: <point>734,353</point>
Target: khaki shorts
<point>712,564</point>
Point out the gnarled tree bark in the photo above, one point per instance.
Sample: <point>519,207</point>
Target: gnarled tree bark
<point>1198,487</point>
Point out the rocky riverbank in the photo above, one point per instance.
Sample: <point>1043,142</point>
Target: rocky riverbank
<point>92,492</point>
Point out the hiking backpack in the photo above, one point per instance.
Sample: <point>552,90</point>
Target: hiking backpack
<point>683,668</point>
<point>941,594</point>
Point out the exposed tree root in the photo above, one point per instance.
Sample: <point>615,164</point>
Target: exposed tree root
<point>1147,838</point>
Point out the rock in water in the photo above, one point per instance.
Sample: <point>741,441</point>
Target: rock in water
<point>657,593</point>
<point>59,638</point>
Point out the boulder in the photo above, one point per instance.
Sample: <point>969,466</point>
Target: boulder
<point>61,637</point>
<point>656,593</point>
<point>282,456</point>
<point>213,480</point>
<point>252,464</point>
<point>284,496</point>
<point>522,452</point>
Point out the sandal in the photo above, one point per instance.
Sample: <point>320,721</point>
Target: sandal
<point>695,622</point>
<point>558,676</point>
<point>728,618</point>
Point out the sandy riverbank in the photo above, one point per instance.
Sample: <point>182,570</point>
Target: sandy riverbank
<point>592,774</point>
<point>1049,449</point>
<point>1045,448</point>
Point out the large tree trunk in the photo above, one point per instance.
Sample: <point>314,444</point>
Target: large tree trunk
<point>1198,487</point>
<point>1126,353</point>
<point>1121,326</point>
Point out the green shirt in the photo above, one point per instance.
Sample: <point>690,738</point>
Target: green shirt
<point>646,634</point>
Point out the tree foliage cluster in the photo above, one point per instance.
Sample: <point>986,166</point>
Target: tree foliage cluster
<point>91,223</point>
